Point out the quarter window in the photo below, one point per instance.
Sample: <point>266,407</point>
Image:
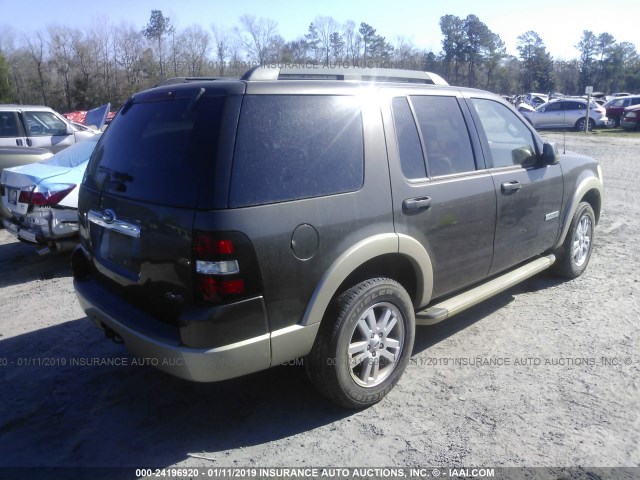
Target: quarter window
<point>291,147</point>
<point>510,141</point>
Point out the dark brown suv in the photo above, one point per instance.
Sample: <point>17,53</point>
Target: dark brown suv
<point>228,226</point>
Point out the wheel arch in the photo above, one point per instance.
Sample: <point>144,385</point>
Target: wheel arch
<point>398,257</point>
<point>589,190</point>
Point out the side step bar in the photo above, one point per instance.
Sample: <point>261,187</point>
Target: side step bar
<point>447,308</point>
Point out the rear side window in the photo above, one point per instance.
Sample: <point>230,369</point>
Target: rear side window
<point>8,124</point>
<point>445,135</point>
<point>290,147</point>
<point>154,151</point>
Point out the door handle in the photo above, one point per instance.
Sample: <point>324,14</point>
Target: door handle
<point>19,142</point>
<point>418,203</point>
<point>510,187</point>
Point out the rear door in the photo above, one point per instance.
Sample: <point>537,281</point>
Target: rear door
<point>529,194</point>
<point>140,194</point>
<point>442,195</point>
<point>11,131</point>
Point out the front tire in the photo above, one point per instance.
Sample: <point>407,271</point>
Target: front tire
<point>574,255</point>
<point>364,343</point>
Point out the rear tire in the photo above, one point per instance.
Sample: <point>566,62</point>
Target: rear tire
<point>574,255</point>
<point>580,124</point>
<point>364,343</point>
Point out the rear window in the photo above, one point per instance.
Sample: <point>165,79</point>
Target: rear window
<point>154,151</point>
<point>290,147</point>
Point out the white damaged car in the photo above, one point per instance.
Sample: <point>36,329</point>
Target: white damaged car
<point>40,200</point>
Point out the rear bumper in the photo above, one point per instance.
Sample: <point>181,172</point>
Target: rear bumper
<point>629,125</point>
<point>43,226</point>
<point>160,345</point>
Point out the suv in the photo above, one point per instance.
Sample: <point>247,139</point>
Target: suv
<point>228,226</point>
<point>37,126</point>
<point>615,108</point>
<point>567,113</point>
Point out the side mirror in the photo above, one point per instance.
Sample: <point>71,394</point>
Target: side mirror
<point>549,153</point>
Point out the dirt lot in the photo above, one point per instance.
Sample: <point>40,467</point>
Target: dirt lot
<point>546,374</point>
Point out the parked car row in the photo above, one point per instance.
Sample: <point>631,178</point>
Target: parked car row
<point>567,113</point>
<point>546,111</point>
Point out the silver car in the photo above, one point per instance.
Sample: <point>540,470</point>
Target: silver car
<point>40,127</point>
<point>567,113</point>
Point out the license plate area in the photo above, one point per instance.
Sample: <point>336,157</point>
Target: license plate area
<point>119,252</point>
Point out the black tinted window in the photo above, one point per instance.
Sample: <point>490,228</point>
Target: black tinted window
<point>8,124</point>
<point>445,135</point>
<point>409,148</point>
<point>292,147</point>
<point>154,151</point>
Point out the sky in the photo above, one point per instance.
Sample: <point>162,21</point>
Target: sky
<point>558,22</point>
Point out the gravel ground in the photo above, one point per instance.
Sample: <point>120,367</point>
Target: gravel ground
<point>545,374</point>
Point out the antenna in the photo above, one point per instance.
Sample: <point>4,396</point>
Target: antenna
<point>564,130</point>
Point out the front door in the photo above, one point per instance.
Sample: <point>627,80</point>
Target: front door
<point>529,194</point>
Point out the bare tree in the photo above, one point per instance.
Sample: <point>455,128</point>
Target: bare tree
<point>352,40</point>
<point>257,37</point>
<point>62,57</point>
<point>195,45</point>
<point>326,28</point>
<point>36,48</point>
<point>223,46</point>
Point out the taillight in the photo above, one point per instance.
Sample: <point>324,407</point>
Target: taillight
<point>225,266</point>
<point>46,196</point>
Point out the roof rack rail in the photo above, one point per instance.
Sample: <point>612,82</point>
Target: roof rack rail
<point>177,80</point>
<point>321,72</point>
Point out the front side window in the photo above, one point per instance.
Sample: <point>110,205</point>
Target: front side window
<point>44,124</point>
<point>510,141</point>
<point>291,147</point>
<point>445,135</point>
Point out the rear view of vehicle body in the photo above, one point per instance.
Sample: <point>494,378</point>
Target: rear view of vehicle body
<point>228,226</point>
<point>40,200</point>
<point>567,113</point>
<point>615,108</point>
<point>631,118</point>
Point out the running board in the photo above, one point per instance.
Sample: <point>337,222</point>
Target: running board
<point>447,308</point>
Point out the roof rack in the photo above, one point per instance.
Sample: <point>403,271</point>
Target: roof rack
<point>321,72</point>
<point>177,80</point>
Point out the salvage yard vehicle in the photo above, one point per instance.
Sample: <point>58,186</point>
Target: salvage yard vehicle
<point>229,226</point>
<point>631,118</point>
<point>40,200</point>
<point>567,113</point>
<point>38,126</point>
